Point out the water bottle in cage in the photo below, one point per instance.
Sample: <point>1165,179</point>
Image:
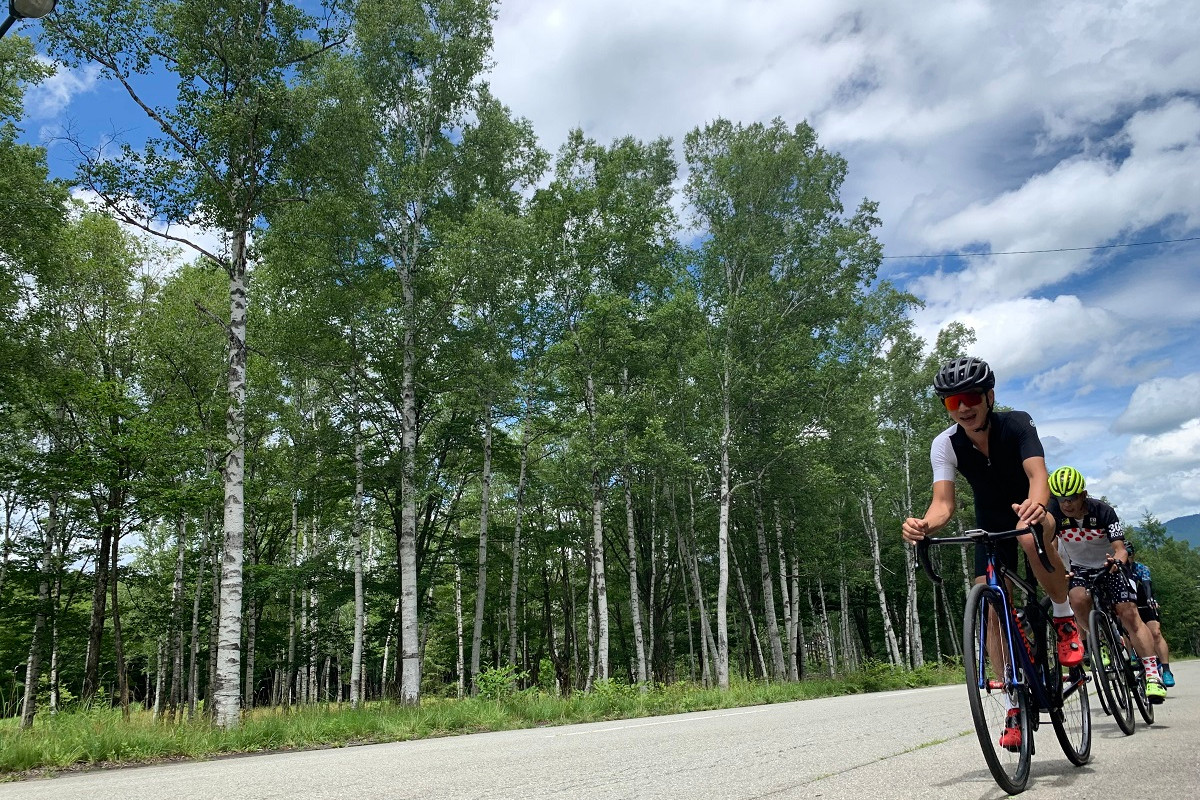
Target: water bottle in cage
<point>1026,630</point>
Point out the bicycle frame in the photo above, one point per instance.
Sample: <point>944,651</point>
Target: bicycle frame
<point>1025,663</point>
<point>1025,659</point>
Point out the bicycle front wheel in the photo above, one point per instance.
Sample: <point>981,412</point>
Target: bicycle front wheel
<point>993,691</point>
<point>1107,655</point>
<point>1072,716</point>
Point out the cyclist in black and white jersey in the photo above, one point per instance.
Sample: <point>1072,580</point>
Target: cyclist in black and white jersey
<point>1090,534</point>
<point>1001,456</point>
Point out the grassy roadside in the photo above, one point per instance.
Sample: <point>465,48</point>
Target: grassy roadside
<point>98,737</point>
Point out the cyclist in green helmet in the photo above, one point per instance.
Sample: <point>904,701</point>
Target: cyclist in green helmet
<point>1093,543</point>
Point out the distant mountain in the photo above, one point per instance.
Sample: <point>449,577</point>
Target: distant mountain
<point>1185,529</point>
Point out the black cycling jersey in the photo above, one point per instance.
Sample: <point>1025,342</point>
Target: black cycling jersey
<point>998,479</point>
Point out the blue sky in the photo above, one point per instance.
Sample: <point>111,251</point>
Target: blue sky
<point>982,125</point>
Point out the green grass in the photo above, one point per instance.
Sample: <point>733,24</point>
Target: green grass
<point>95,736</point>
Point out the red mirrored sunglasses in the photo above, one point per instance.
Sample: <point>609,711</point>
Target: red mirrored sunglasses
<point>967,399</point>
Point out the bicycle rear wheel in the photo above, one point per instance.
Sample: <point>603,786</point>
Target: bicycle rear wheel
<point>1072,718</point>
<point>1136,674</point>
<point>1106,655</point>
<point>992,691</point>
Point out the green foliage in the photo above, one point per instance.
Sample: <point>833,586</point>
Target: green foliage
<point>498,683</point>
<point>547,682</point>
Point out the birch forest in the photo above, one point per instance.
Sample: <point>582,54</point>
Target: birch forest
<point>341,387</point>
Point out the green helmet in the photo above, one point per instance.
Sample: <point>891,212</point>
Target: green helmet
<point>1066,481</point>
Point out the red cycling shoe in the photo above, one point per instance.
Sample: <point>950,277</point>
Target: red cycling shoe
<point>1070,648</point>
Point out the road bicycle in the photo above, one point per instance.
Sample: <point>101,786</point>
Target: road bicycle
<point>1117,670</point>
<point>1030,678</point>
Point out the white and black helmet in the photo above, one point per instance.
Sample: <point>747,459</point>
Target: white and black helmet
<point>964,374</point>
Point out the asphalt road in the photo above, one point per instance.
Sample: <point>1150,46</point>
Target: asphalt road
<point>909,744</point>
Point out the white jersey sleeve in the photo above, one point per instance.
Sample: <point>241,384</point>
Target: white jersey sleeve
<point>941,456</point>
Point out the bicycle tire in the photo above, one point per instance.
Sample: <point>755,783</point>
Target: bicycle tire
<point>989,704</point>
<point>1072,716</point>
<point>1136,674</point>
<point>1110,677</point>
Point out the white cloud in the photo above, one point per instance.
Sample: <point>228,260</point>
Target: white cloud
<point>1054,343</point>
<point>1174,450</point>
<point>1067,440</point>
<point>1161,404</point>
<point>1160,473</point>
<point>1165,494</point>
<point>50,98</point>
<point>1081,202</point>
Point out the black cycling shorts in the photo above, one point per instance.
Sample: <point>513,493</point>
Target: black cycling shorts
<point>1118,587</point>
<point>1148,614</point>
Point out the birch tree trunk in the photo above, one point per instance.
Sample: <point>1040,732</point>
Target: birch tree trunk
<point>176,649</point>
<point>726,500</point>
<point>797,643</point>
<point>33,665</point>
<point>968,570</point>
<point>312,627</point>
<point>912,612</point>
<point>118,644</point>
<point>194,655</point>
<point>481,575</point>
<point>778,669</point>
<point>955,648</point>
<point>226,690</point>
<point>54,648</point>
<point>591,621</point>
<point>598,577</point>
<point>251,651</point>
<point>516,547</point>
<point>826,632</point>
<point>707,641</point>
<point>409,655</point>
<point>634,598</point>
<point>598,573</point>
<point>666,585</point>
<point>789,624</point>
<point>289,693</point>
<point>356,669</point>
<point>867,509</point>
<point>160,678</point>
<point>458,628</point>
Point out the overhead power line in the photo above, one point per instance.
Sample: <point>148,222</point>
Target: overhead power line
<point>1051,250</point>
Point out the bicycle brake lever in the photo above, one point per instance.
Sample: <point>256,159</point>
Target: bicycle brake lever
<point>1036,529</point>
<point>926,563</point>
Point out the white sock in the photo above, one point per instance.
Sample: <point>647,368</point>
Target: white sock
<point>1151,665</point>
<point>1062,609</point>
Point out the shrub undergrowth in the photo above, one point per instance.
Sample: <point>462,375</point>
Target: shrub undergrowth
<point>99,736</point>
